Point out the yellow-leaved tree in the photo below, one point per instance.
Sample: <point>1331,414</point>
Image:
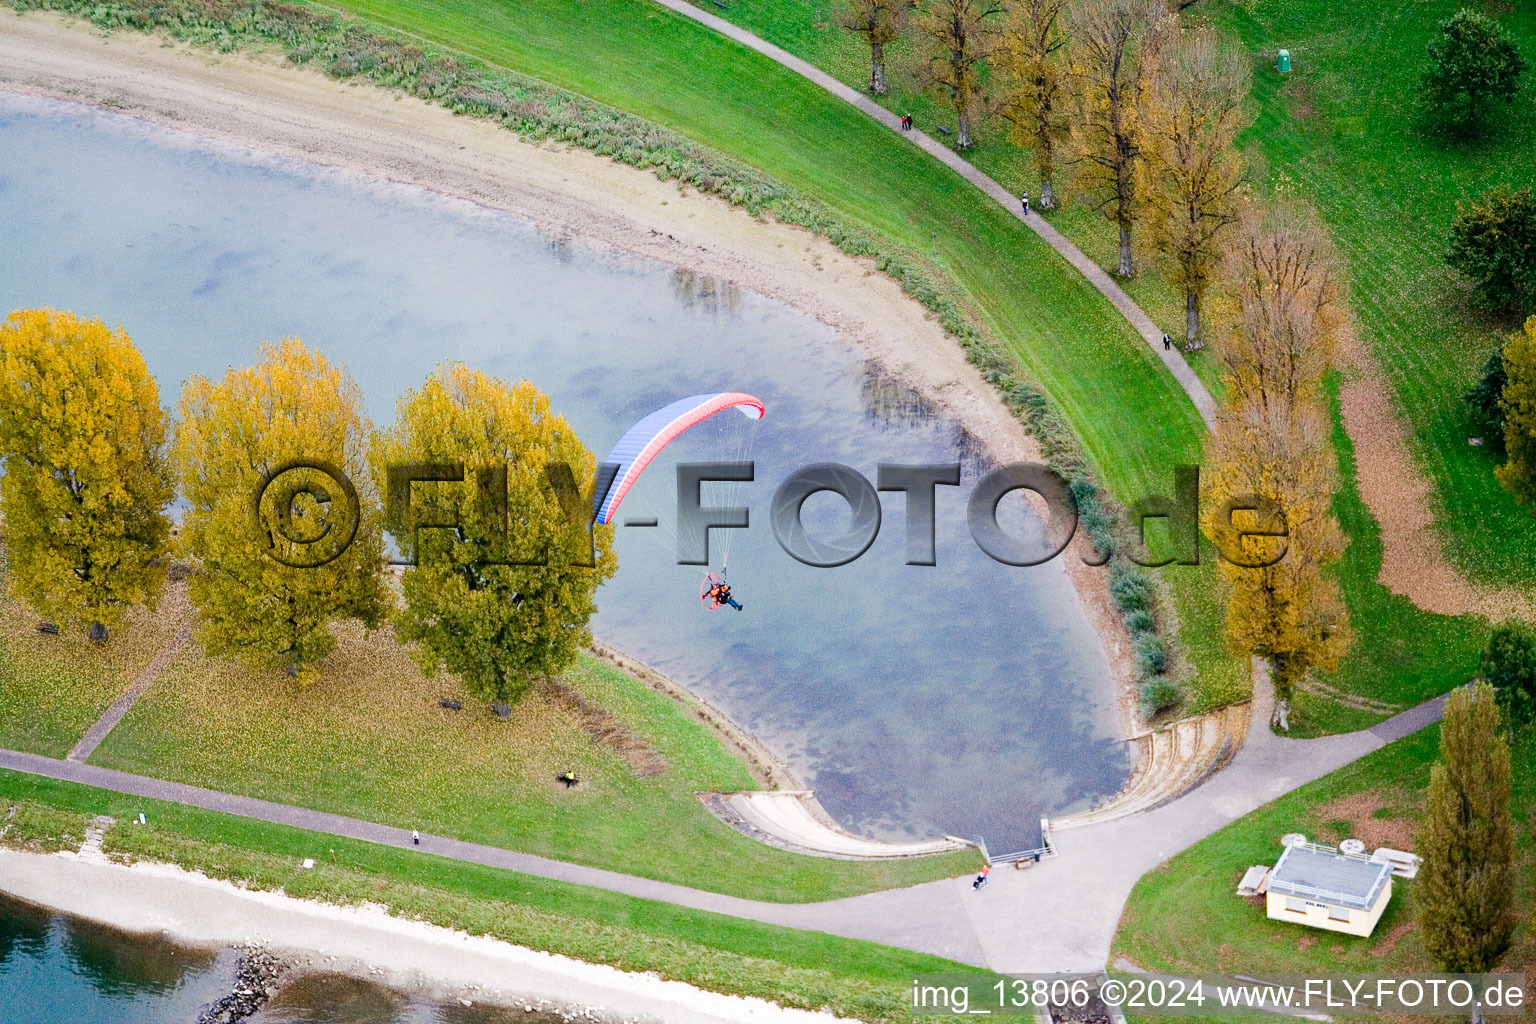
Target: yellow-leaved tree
<point>1282,326</point>
<point>505,571</point>
<point>1193,173</point>
<point>1518,401</point>
<point>1034,67</point>
<point>279,550</point>
<point>1113,48</point>
<point>86,481</point>
<point>1281,605</point>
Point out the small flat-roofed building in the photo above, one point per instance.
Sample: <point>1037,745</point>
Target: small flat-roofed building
<point>1321,887</point>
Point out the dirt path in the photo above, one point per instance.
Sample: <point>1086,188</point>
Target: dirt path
<point>1402,499</point>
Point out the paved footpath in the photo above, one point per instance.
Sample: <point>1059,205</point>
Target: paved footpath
<point>1058,915</point>
<point>1150,332</point>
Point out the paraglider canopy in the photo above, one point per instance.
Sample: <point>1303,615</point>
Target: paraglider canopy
<point>645,440</point>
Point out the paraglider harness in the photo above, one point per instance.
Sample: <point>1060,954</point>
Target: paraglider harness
<point>717,592</point>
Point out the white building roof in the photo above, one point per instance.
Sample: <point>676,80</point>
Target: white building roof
<point>1327,876</point>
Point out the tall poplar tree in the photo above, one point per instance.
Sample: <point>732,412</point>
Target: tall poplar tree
<point>962,35</point>
<point>1192,115</point>
<point>1033,60</point>
<point>880,23</point>
<point>1114,47</point>
<point>1464,895</point>
<point>1518,403</point>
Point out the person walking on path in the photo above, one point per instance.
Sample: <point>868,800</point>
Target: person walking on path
<point>981,879</point>
<point>1167,343</point>
<point>1024,199</point>
<point>906,122</point>
<point>415,838</point>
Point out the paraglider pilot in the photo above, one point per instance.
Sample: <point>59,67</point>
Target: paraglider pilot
<point>720,594</point>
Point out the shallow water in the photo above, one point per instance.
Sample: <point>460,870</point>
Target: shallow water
<point>56,969</point>
<point>967,698</point>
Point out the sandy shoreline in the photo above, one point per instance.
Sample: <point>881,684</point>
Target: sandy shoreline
<point>436,963</point>
<point>380,133</point>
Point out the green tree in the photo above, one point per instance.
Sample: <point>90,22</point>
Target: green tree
<point>269,577</point>
<point>880,22</point>
<point>1518,403</point>
<point>1509,666</point>
<point>86,481</point>
<point>1472,65</point>
<point>1487,393</point>
<point>1035,69</point>
<point>1493,244</point>
<point>468,606</point>
<point>1464,894</point>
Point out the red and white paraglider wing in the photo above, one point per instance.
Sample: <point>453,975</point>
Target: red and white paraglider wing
<point>645,440</point>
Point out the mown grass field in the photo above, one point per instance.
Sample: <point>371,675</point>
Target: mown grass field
<point>713,951</point>
<point>1184,917</point>
<point>369,740</point>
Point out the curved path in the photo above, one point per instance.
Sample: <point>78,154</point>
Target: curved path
<point>1058,915</point>
<point>1150,332</point>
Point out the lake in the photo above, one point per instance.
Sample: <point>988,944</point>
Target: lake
<point>967,698</point>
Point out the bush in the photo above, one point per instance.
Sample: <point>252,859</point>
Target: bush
<point>1159,694</point>
<point>1493,243</point>
<point>1151,654</point>
<point>1130,589</point>
<point>1509,666</point>
<point>1472,64</point>
<point>1140,620</point>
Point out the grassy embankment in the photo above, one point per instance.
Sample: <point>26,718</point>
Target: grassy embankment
<point>1183,916</point>
<point>712,951</point>
<point>1333,132</point>
<point>369,740</point>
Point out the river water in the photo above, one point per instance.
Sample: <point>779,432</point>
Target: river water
<point>56,969</point>
<point>967,698</point>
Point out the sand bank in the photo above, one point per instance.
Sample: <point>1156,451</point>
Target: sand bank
<point>365,941</point>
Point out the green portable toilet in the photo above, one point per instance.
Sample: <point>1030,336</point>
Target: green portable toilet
<point>1283,64</point>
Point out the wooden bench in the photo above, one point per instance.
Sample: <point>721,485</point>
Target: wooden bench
<point>1255,881</point>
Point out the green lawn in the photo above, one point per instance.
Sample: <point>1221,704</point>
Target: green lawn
<point>53,687</point>
<point>1184,917</point>
<point>369,740</point>
<point>713,951</point>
